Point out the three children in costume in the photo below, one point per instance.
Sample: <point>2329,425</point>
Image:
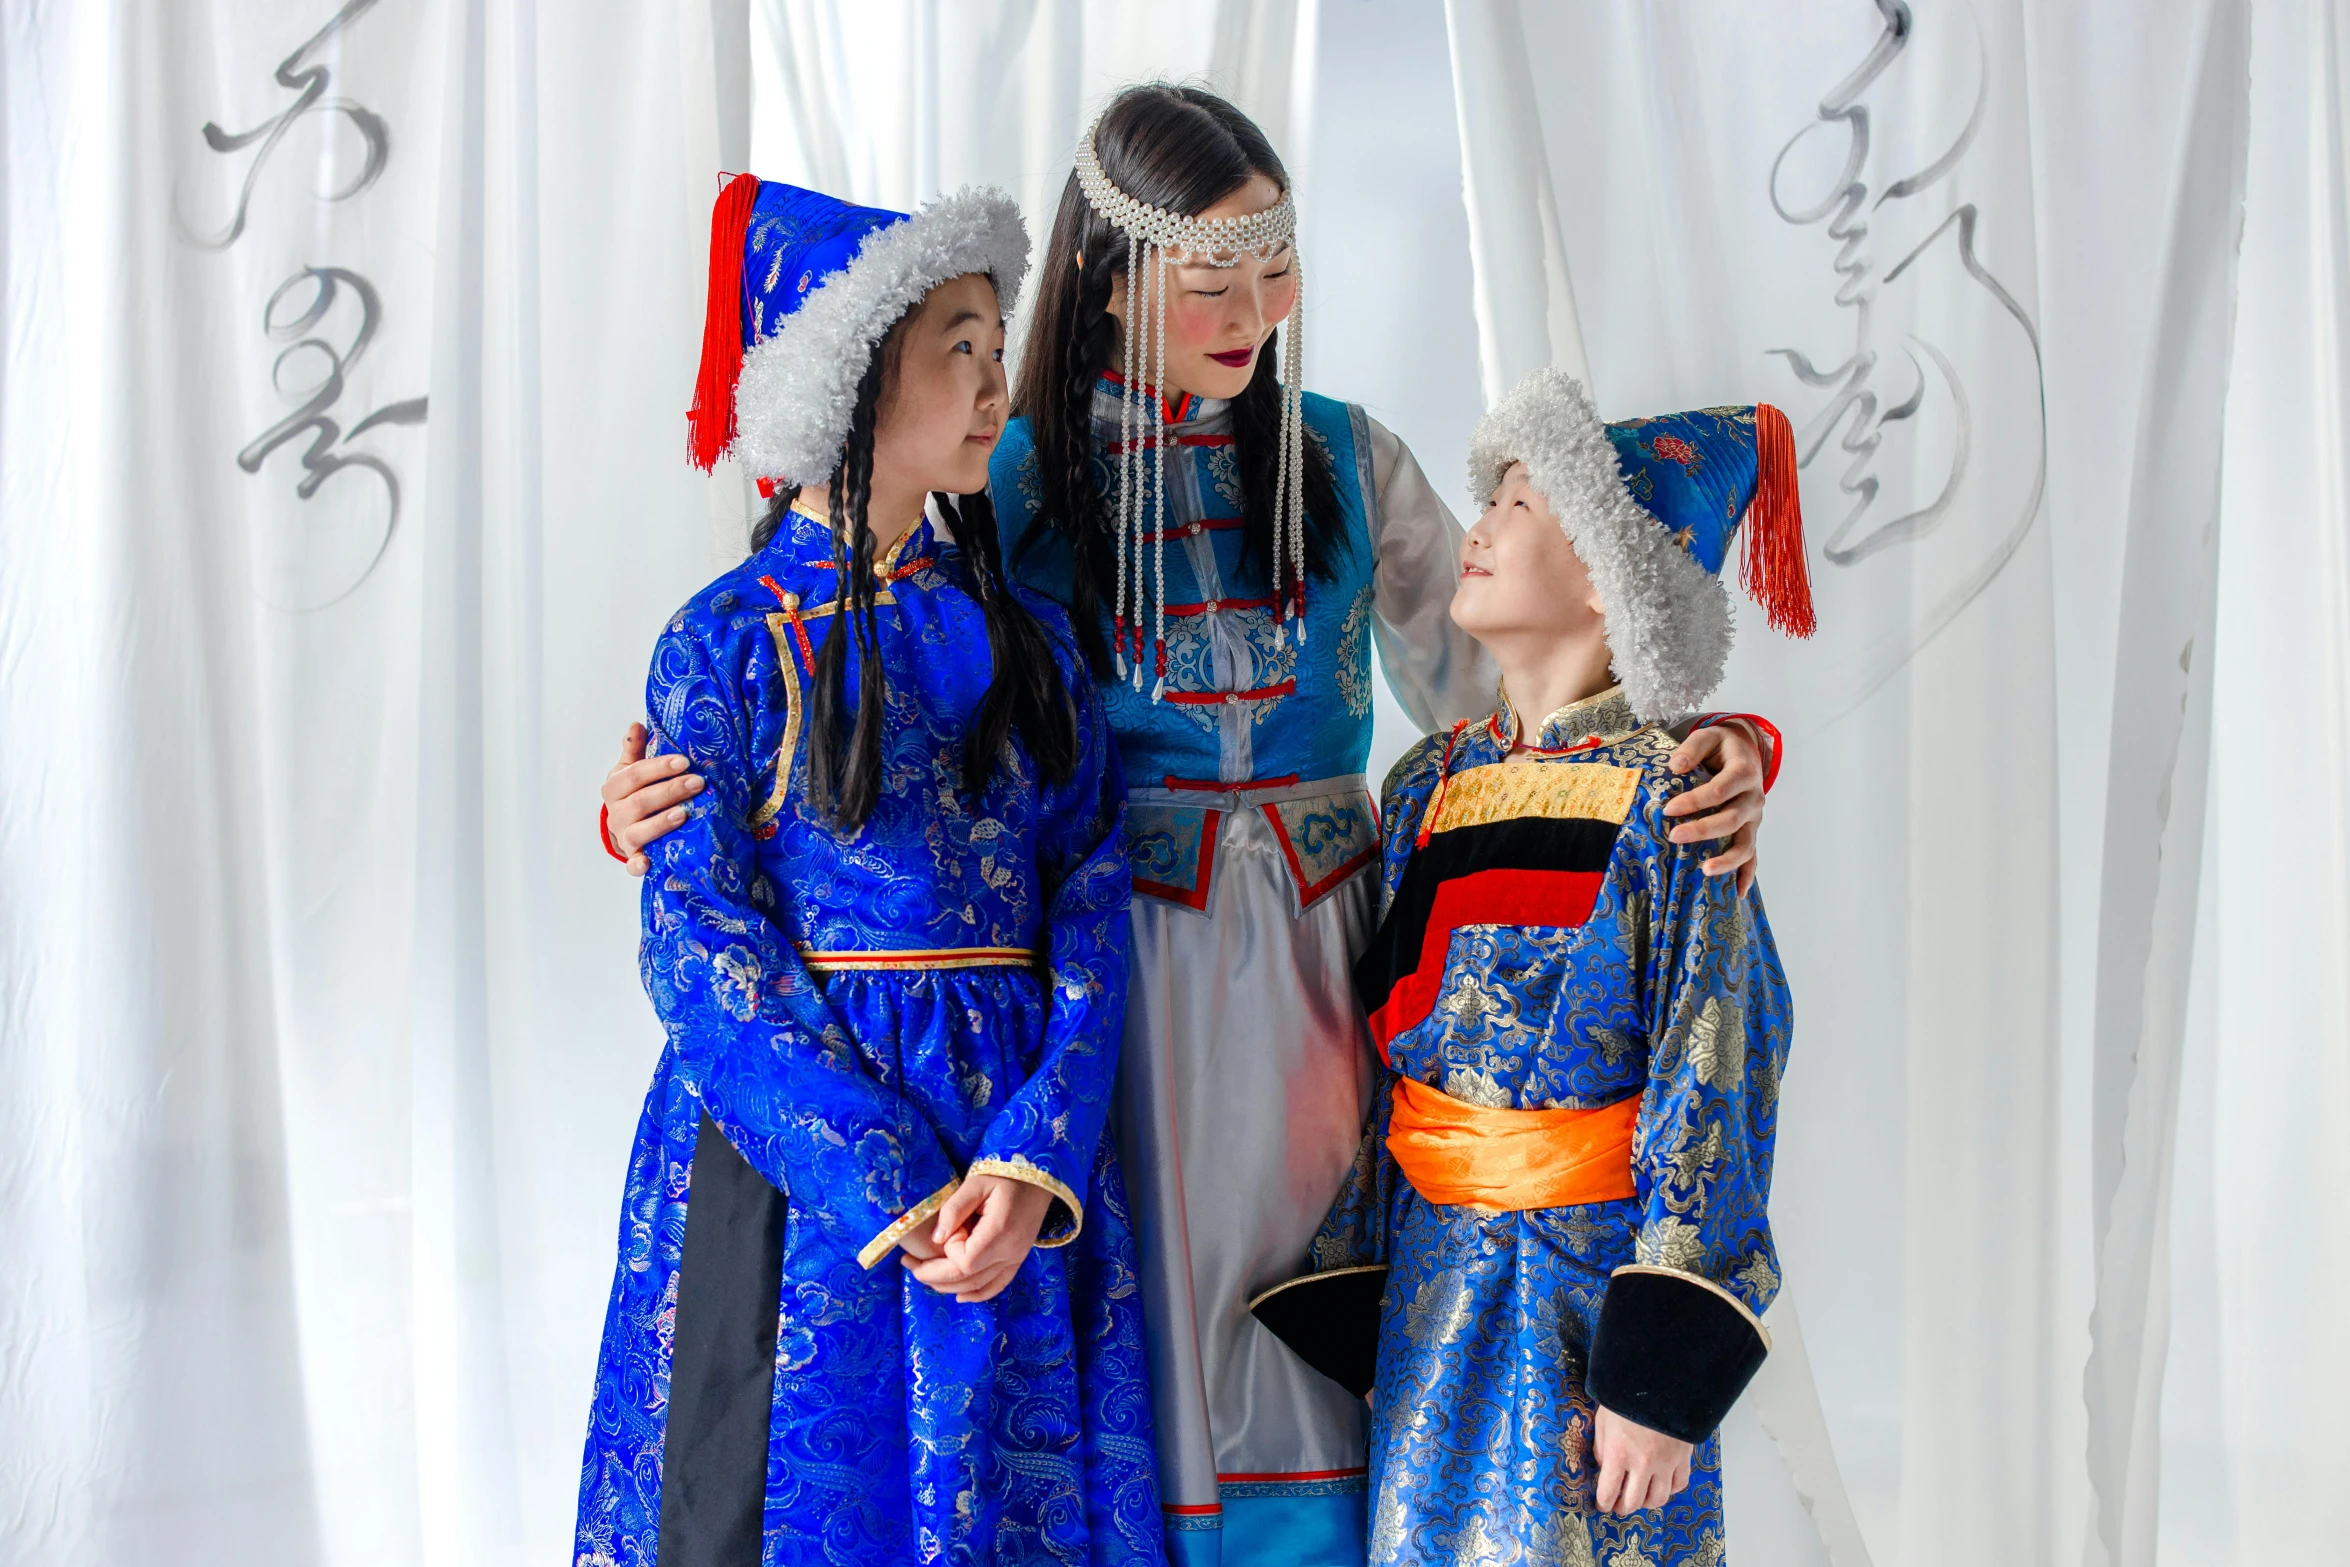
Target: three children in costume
<point>865,1011</point>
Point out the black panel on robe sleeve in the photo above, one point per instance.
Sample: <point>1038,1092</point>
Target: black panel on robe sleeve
<point>1671,1353</point>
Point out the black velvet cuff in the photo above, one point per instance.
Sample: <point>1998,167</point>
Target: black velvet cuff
<point>1672,1352</point>
<point>1330,1321</point>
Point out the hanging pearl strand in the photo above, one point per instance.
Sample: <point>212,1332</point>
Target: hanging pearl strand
<point>1151,234</point>
<point>1285,462</point>
<point>1126,452</point>
<point>1293,432</point>
<point>1159,468</point>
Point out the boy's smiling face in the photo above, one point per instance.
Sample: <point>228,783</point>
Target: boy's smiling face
<point>1520,580</point>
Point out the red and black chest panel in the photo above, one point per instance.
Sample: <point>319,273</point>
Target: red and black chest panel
<point>1522,843</point>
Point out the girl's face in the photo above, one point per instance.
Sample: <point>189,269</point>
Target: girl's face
<point>1520,578</point>
<point>943,398</point>
<point>1220,318</point>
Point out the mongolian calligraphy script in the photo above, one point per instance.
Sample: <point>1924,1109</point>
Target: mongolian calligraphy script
<point>297,311</point>
<point>1857,400</point>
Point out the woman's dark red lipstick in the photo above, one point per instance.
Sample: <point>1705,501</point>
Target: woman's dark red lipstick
<point>1235,357</point>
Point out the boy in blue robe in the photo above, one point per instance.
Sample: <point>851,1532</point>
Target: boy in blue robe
<point>1567,1177</point>
<point>876,1299</point>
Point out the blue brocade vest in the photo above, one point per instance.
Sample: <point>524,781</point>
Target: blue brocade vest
<point>1244,704</point>
<point>1249,720</point>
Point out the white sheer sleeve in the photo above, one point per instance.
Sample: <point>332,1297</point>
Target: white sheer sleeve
<point>1437,671</point>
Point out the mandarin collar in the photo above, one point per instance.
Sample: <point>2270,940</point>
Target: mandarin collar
<point>806,544</point>
<point>1604,716</point>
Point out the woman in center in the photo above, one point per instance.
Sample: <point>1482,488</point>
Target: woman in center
<point>1231,550</point>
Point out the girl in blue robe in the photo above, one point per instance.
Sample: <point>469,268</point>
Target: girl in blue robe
<point>889,951</point>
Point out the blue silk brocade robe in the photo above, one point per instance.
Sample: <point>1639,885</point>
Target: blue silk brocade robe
<point>905,1427</point>
<point>1670,990</point>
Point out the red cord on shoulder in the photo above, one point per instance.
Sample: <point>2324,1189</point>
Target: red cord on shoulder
<point>1443,777</point>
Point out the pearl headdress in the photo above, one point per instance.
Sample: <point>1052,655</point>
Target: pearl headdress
<point>1152,234</point>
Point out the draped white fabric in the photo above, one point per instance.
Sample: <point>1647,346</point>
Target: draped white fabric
<point>322,1026</point>
<point>1990,855</point>
<point>322,1035</point>
<point>2252,1450</point>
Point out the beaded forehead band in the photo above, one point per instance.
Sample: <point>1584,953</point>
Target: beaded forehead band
<point>1156,239</point>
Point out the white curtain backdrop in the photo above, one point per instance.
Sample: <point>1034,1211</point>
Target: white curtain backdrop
<point>321,1026</point>
<point>2024,963</point>
<point>320,1035</point>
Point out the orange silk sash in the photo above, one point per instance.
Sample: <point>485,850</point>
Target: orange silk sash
<point>1507,1160</point>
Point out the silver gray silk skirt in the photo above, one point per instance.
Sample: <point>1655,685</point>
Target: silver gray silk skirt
<point>1244,1085</point>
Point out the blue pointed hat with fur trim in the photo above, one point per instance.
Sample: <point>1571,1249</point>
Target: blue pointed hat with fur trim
<point>803,287</point>
<point>1651,507</point>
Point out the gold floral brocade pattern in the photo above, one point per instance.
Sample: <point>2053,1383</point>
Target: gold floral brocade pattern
<point>1514,791</point>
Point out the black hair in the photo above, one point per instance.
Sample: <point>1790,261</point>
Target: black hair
<point>1183,149</point>
<point>844,770</point>
<point>1025,691</point>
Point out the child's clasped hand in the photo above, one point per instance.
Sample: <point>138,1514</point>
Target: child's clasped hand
<point>984,1232</point>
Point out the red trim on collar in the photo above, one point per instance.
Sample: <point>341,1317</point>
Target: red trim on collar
<point>1169,413</point>
<point>1510,748</point>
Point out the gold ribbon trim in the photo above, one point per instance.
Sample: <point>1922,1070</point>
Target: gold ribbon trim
<point>1019,1169</point>
<point>904,1225</point>
<point>878,961</point>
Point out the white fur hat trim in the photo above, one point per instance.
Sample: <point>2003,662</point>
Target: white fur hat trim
<point>1668,618</point>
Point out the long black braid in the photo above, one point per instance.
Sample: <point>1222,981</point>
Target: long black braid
<point>1184,149</point>
<point>1065,456</point>
<point>844,769</point>
<point>1025,691</point>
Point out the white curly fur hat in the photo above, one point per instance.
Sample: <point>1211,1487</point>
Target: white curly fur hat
<point>1668,618</point>
<point>797,390</point>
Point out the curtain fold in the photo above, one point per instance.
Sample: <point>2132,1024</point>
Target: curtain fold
<point>1524,298</point>
<point>2277,1266</point>
<point>341,447</point>
<point>2156,788</point>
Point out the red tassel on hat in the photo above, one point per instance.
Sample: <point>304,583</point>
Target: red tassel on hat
<point>710,425</point>
<point>1773,570</point>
